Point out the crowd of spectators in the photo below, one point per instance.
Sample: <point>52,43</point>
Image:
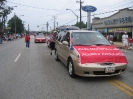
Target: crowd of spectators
<point>9,37</point>
<point>126,40</point>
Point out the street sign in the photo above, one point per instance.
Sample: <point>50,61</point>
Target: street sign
<point>89,8</point>
<point>8,28</point>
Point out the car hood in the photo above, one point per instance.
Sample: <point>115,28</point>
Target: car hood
<point>100,54</point>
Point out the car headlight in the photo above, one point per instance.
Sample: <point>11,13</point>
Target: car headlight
<point>77,59</point>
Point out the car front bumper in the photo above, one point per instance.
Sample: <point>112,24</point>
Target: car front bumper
<point>97,70</point>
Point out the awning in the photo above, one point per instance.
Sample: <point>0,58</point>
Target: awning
<point>120,31</point>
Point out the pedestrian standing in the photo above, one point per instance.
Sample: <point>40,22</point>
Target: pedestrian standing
<point>125,40</point>
<point>52,41</point>
<point>27,40</point>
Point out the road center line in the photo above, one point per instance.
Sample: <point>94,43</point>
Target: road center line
<point>127,89</point>
<point>17,57</point>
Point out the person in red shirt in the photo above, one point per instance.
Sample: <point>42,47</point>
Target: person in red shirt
<point>27,40</point>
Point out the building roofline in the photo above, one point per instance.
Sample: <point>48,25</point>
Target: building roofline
<point>117,13</point>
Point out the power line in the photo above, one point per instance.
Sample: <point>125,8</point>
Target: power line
<point>61,11</point>
<point>114,4</point>
<point>32,6</point>
<point>70,21</point>
<point>123,5</point>
<point>109,11</point>
<point>99,14</point>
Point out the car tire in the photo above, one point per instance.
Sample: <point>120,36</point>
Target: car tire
<point>56,56</point>
<point>71,70</point>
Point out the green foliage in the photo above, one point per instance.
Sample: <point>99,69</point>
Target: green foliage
<point>82,24</point>
<point>4,11</point>
<point>19,25</point>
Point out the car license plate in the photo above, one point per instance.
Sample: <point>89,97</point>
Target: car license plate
<point>109,70</point>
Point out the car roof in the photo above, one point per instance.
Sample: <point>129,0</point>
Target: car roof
<point>40,36</point>
<point>68,27</point>
<point>82,31</point>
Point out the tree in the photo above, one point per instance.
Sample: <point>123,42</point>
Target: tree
<point>4,11</point>
<point>82,25</point>
<point>19,25</point>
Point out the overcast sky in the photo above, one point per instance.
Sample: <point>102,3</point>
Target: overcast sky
<point>39,12</point>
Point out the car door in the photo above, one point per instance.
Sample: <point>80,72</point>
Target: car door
<point>65,48</point>
<point>58,45</point>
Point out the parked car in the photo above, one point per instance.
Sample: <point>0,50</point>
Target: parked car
<point>89,54</point>
<point>40,39</point>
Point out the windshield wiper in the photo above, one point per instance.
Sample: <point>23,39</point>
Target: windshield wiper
<point>101,44</point>
<point>82,45</point>
<point>78,45</point>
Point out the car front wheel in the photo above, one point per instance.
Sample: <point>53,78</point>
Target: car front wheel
<point>71,70</point>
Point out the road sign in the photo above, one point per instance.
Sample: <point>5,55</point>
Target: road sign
<point>89,8</point>
<point>8,28</point>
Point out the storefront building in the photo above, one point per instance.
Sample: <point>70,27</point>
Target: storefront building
<point>116,24</point>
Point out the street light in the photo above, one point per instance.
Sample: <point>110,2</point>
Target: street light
<point>74,14</point>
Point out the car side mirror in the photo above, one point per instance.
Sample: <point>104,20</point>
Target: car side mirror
<point>65,43</point>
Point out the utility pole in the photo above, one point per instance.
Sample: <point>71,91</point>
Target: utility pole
<point>54,21</point>
<point>28,27</point>
<point>80,11</point>
<point>47,26</point>
<point>57,24</point>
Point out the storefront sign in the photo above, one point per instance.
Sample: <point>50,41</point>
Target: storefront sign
<point>112,30</point>
<point>128,19</point>
<point>89,8</point>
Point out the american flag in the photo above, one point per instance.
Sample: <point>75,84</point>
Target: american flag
<point>71,41</point>
<point>53,37</point>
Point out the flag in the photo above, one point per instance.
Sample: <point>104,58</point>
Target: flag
<point>71,41</point>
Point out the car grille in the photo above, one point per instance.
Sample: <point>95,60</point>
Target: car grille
<point>106,63</point>
<point>103,72</point>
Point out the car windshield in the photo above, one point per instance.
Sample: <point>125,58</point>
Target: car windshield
<point>40,33</point>
<point>89,38</point>
<point>39,36</point>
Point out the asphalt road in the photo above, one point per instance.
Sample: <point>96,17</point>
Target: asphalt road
<point>34,74</point>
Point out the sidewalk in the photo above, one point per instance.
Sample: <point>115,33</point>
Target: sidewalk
<point>118,44</point>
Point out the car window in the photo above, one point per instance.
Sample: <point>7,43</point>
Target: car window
<point>58,37</point>
<point>67,37</point>
<point>61,36</point>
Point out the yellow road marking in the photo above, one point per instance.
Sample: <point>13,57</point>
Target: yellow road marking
<point>122,86</point>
